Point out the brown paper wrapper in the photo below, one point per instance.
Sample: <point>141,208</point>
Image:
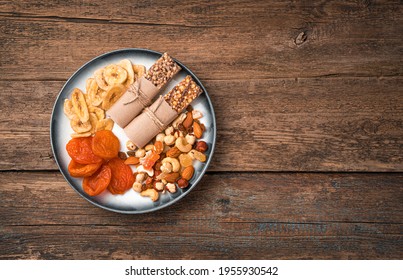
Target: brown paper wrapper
<point>133,101</point>
<point>150,122</point>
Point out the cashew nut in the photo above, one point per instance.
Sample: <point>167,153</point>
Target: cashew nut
<point>166,167</point>
<point>140,153</point>
<point>197,114</point>
<point>160,137</point>
<point>130,145</point>
<point>174,162</point>
<point>169,130</point>
<point>171,187</point>
<point>149,147</point>
<point>190,139</point>
<point>137,186</point>
<point>182,145</point>
<point>178,134</point>
<point>151,193</point>
<point>169,139</point>
<point>179,120</point>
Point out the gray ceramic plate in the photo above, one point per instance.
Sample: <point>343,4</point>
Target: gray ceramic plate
<point>60,130</point>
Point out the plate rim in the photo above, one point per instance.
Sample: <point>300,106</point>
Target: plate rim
<point>161,206</point>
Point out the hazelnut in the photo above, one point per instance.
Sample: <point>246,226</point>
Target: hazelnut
<point>170,187</point>
<point>201,146</point>
<point>183,183</point>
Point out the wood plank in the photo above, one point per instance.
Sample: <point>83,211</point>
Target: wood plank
<point>229,216</point>
<point>263,40</point>
<point>332,124</point>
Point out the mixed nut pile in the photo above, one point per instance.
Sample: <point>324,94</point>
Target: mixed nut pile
<point>166,163</point>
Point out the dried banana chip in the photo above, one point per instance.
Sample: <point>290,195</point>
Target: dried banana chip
<point>77,135</point>
<point>98,112</point>
<point>95,98</point>
<point>79,105</point>
<point>94,122</point>
<point>68,109</point>
<point>139,70</point>
<point>112,95</point>
<point>127,65</point>
<point>99,78</point>
<point>105,124</point>
<point>78,126</point>
<point>114,74</point>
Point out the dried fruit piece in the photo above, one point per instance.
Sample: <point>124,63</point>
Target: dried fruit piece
<point>188,172</point>
<point>98,182</point>
<point>68,109</point>
<point>197,155</point>
<point>197,130</point>
<point>82,170</point>
<point>112,95</point>
<point>114,74</point>
<point>139,70</point>
<point>79,149</point>
<point>127,65</point>
<point>122,155</point>
<point>185,160</point>
<point>132,160</point>
<point>105,124</point>
<point>122,177</point>
<point>149,160</point>
<point>158,147</point>
<point>79,105</point>
<point>99,78</point>
<point>78,126</point>
<point>105,144</point>
<point>97,111</point>
<point>79,135</point>
<point>93,122</point>
<point>94,94</point>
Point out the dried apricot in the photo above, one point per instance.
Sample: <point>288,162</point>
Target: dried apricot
<point>98,182</point>
<point>105,144</point>
<point>122,177</point>
<point>83,170</point>
<point>79,149</point>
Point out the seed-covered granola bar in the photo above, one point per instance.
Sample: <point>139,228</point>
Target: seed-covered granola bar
<point>183,94</point>
<point>162,71</point>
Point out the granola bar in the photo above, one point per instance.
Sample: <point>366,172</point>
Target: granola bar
<point>183,94</point>
<point>162,71</point>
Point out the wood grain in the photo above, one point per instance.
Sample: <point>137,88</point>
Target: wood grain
<point>287,215</point>
<point>333,124</point>
<point>259,41</point>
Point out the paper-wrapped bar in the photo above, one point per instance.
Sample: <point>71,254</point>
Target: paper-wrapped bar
<point>162,112</point>
<point>140,94</point>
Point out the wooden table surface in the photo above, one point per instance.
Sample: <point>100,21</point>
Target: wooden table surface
<point>309,107</point>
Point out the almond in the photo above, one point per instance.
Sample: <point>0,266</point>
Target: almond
<point>187,173</point>
<point>171,177</point>
<point>173,152</point>
<point>197,130</point>
<point>188,121</point>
